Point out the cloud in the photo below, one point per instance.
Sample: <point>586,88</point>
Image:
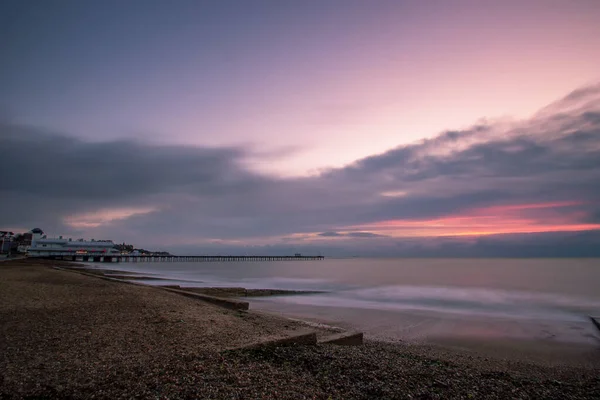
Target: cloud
<point>60,166</point>
<point>460,181</point>
<point>351,234</point>
<point>331,234</point>
<point>53,177</point>
<point>554,244</point>
<point>364,235</point>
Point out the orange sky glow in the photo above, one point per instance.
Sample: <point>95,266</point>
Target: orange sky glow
<point>495,220</point>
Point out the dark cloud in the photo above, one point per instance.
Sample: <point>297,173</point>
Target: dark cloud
<point>331,234</point>
<point>196,194</point>
<point>54,175</point>
<point>364,235</point>
<point>351,234</point>
<point>60,166</point>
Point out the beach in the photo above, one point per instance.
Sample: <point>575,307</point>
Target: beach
<point>68,335</point>
<point>540,306</point>
<point>548,342</point>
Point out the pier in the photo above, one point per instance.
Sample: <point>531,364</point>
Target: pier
<point>118,258</point>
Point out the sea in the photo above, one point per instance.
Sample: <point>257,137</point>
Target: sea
<point>415,299</point>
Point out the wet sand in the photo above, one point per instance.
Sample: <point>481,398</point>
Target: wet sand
<point>64,334</point>
<point>570,342</point>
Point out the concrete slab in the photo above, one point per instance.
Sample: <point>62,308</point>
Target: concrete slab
<point>227,303</point>
<point>106,278</point>
<point>133,277</point>
<point>344,339</point>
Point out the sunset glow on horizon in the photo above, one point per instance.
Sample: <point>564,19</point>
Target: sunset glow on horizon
<point>493,220</point>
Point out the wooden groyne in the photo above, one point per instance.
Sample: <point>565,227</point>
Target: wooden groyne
<point>170,258</point>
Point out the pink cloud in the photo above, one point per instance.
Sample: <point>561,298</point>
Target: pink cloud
<point>506,219</point>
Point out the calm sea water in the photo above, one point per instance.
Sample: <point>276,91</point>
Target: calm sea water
<point>552,289</point>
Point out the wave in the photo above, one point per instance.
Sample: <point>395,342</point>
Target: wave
<point>474,301</point>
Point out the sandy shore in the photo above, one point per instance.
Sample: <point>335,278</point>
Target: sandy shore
<point>67,335</point>
<point>574,342</point>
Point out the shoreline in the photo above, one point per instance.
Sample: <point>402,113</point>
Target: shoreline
<point>509,349</point>
<point>218,291</point>
<point>478,335</point>
<point>70,335</point>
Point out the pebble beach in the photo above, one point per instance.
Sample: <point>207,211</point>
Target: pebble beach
<point>67,335</point>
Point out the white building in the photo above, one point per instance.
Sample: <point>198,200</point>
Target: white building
<point>41,246</point>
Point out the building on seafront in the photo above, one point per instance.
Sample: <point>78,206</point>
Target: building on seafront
<point>42,246</point>
<point>5,241</point>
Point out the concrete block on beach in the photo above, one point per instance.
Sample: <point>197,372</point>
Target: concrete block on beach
<point>227,303</point>
<point>344,339</point>
<point>83,271</point>
<point>133,277</point>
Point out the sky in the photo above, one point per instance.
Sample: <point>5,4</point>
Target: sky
<point>450,128</point>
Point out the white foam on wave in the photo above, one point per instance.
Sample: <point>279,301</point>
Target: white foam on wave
<point>471,301</point>
<point>471,295</point>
